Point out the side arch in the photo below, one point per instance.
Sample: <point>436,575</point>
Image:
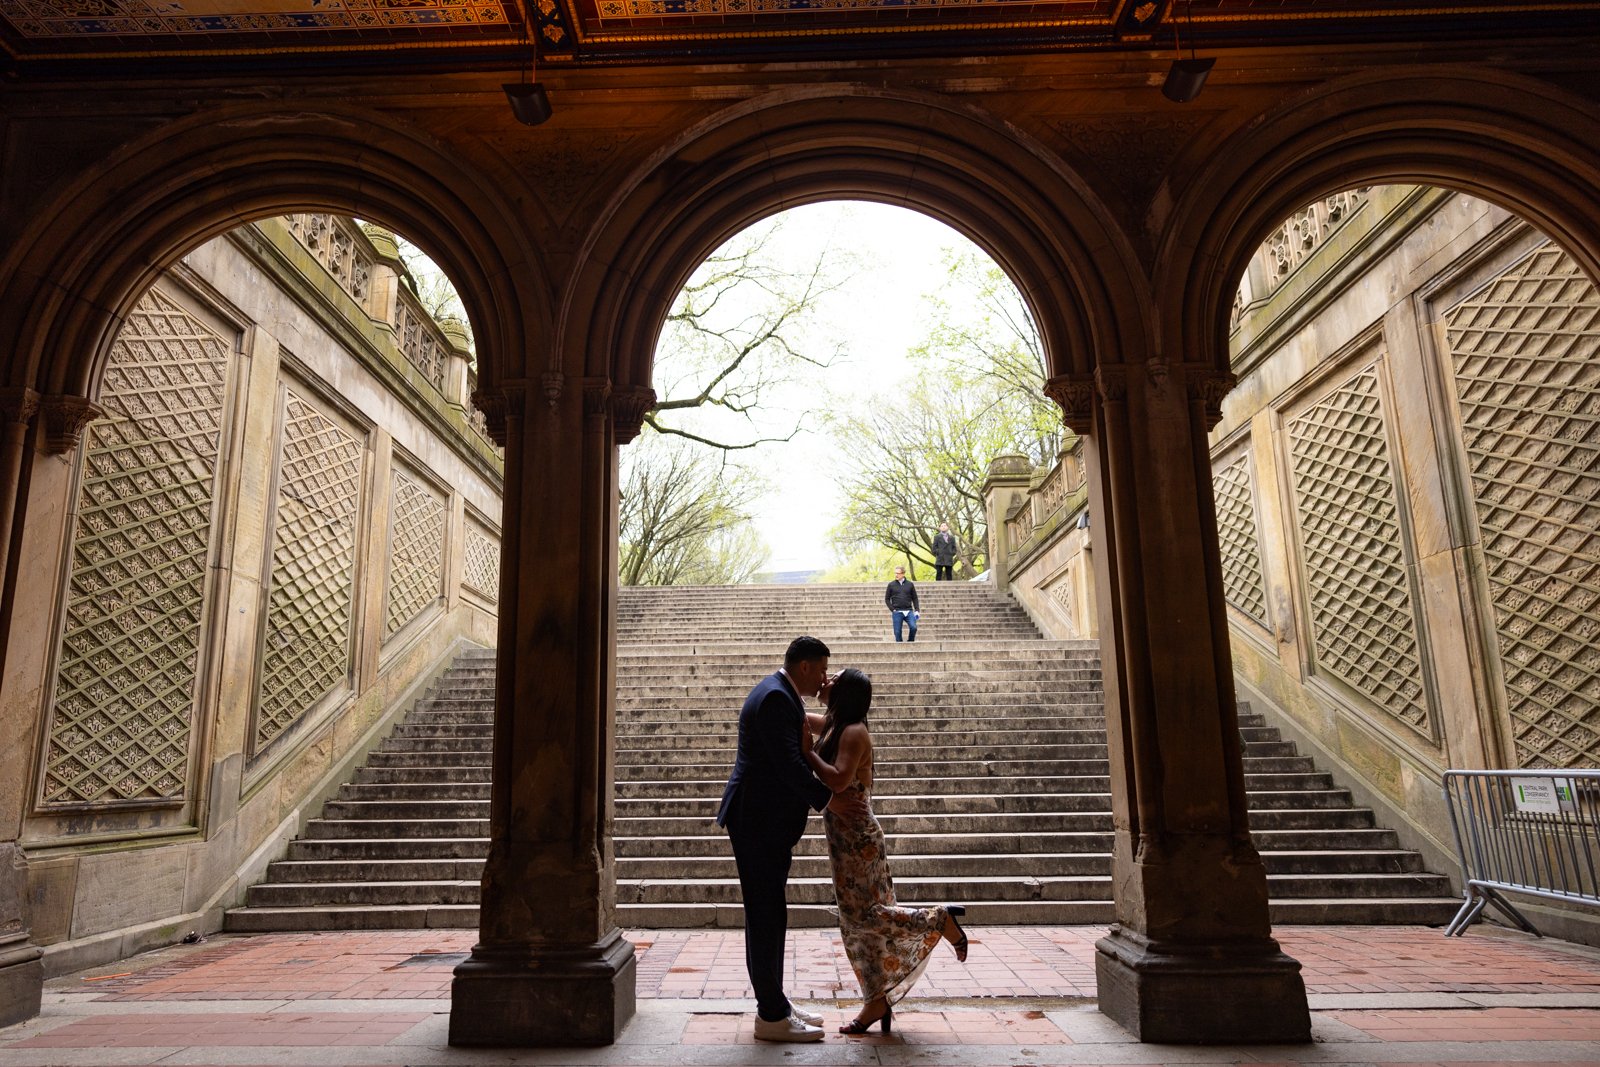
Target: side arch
<point>76,272</point>
<point>1041,224</point>
<point>1526,145</point>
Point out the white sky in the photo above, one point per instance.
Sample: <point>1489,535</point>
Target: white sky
<point>879,316</point>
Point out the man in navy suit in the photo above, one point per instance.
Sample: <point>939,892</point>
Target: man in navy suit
<point>765,808</point>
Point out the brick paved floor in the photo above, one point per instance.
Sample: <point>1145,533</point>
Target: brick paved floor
<point>1380,995</point>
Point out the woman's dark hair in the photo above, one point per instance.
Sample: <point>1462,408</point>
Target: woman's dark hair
<point>848,702</point>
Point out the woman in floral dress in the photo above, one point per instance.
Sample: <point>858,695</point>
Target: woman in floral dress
<point>888,945</point>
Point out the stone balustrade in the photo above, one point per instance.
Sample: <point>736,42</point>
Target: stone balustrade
<point>1291,244</point>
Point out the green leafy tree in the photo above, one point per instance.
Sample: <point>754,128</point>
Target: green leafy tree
<point>741,333</point>
<point>916,462</point>
<point>982,333</point>
<point>683,517</point>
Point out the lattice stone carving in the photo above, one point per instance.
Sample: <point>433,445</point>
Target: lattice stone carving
<point>1526,351</point>
<point>1361,616</point>
<point>1242,580</point>
<point>481,572</point>
<point>313,568</point>
<point>416,551</point>
<point>124,688</point>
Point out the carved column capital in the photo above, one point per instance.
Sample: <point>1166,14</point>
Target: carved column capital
<point>18,404</point>
<point>1207,386</point>
<point>1112,381</point>
<point>64,420</point>
<point>498,404</point>
<point>1074,394</point>
<point>629,406</point>
<point>596,396</point>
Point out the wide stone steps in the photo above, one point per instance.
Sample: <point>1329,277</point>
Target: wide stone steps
<point>992,785</point>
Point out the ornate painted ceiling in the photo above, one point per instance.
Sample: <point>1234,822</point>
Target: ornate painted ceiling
<point>56,32</point>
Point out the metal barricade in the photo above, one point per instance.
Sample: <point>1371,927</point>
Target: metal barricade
<point>1527,831</point>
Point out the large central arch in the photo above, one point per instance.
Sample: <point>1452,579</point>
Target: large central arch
<point>1035,218</point>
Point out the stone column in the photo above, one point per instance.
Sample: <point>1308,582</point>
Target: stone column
<point>21,966</point>
<point>1190,958</point>
<point>1005,484</point>
<point>550,966</point>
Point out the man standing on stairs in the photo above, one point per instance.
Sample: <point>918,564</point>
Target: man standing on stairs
<point>901,598</point>
<point>944,554</point>
<point>764,809</point>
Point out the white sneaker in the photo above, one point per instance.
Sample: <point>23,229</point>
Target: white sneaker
<point>810,1018</point>
<point>786,1029</point>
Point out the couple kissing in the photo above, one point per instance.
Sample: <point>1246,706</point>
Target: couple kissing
<point>790,762</point>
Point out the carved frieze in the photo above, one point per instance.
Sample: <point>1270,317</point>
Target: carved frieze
<point>1132,152</point>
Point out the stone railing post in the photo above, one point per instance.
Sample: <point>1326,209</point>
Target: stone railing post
<point>458,363</point>
<point>384,292</point>
<point>1006,483</point>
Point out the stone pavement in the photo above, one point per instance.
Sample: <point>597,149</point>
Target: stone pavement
<point>1380,995</point>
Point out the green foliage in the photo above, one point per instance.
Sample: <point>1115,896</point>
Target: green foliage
<point>683,517</point>
<point>990,339</point>
<point>921,458</point>
<point>872,563</point>
<point>919,461</point>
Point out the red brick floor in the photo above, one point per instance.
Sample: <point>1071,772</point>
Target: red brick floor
<point>1383,995</point>
<point>709,964</point>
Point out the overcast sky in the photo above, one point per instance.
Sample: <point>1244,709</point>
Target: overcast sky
<point>879,316</point>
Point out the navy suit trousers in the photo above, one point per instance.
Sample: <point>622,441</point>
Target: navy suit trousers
<point>763,875</point>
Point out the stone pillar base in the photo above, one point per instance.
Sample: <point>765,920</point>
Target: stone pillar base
<point>21,981</point>
<point>1224,993</point>
<point>519,997</point>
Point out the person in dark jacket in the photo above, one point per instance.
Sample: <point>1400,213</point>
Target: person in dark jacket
<point>901,599</point>
<point>944,554</point>
<point>764,809</point>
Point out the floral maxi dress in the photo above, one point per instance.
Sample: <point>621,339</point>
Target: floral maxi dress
<point>888,945</point>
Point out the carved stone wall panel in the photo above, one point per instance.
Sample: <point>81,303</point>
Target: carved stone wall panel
<point>416,550</point>
<point>1526,354</point>
<point>1362,626</point>
<point>1242,578</point>
<point>307,646</point>
<point>481,570</point>
<point>125,683</point>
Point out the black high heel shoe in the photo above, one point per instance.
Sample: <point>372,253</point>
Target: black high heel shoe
<point>861,1026</point>
<point>960,943</point>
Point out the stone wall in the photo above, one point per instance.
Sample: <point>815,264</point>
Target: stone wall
<point>279,530</point>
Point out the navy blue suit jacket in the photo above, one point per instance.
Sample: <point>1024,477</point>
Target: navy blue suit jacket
<point>771,787</point>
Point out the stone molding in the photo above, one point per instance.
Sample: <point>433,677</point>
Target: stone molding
<point>65,418</point>
<point>552,383</point>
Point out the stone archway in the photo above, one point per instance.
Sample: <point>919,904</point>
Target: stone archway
<point>551,966</point>
<point>1520,143</point>
<point>75,274</point>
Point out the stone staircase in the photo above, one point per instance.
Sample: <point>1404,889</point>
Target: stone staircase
<point>992,780</point>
